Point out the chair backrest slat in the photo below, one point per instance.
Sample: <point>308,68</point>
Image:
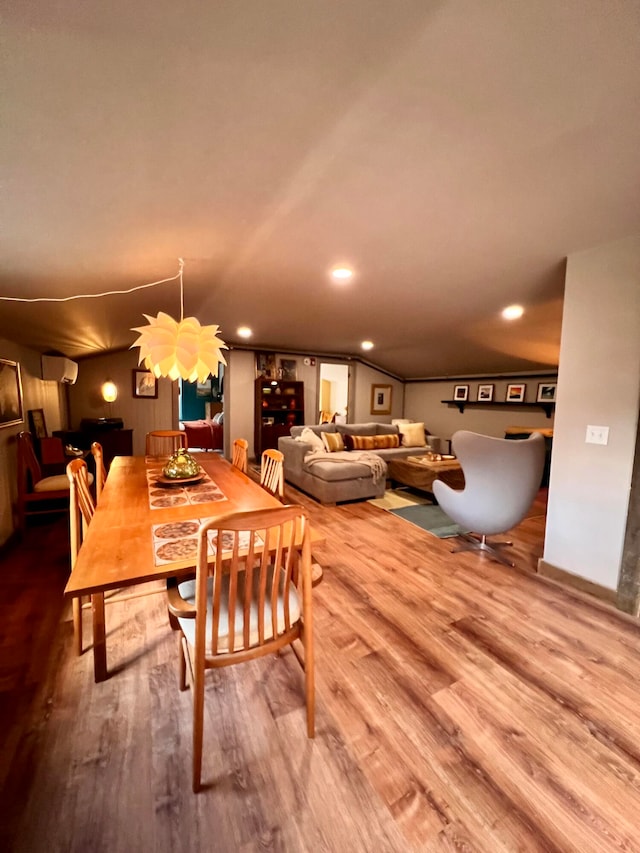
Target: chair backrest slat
<point>101,473</point>
<point>29,471</point>
<point>164,442</point>
<point>248,593</point>
<point>272,472</point>
<point>239,455</point>
<point>262,592</point>
<point>81,504</point>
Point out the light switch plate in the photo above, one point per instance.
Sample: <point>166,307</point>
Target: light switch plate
<point>597,435</point>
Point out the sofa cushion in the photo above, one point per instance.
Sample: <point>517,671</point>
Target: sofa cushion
<point>57,483</point>
<point>308,436</point>
<point>317,428</point>
<point>412,435</point>
<point>333,442</point>
<point>387,429</point>
<point>337,472</point>
<point>357,429</point>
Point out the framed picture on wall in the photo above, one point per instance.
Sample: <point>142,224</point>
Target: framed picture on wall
<point>37,425</point>
<point>460,392</point>
<point>11,411</point>
<point>516,392</point>
<point>145,384</point>
<point>288,369</point>
<point>266,365</point>
<point>546,392</point>
<point>485,393</point>
<point>381,399</point>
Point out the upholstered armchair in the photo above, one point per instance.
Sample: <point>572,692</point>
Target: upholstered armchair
<point>502,478</point>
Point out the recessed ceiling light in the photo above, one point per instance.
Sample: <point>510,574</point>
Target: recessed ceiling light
<point>367,344</point>
<point>244,332</point>
<point>341,273</point>
<point>513,312</point>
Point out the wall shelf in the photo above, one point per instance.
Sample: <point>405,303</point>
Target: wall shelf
<point>547,408</point>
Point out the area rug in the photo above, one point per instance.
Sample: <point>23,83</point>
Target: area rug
<point>430,518</point>
<point>418,510</point>
<point>397,498</point>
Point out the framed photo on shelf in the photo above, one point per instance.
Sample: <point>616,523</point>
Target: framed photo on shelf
<point>145,384</point>
<point>516,392</point>
<point>381,399</point>
<point>37,425</point>
<point>546,392</point>
<point>460,392</point>
<point>288,369</point>
<point>485,393</point>
<point>11,411</point>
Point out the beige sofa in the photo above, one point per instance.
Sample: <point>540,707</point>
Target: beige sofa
<point>334,481</point>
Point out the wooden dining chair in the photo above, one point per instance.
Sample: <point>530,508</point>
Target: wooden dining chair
<point>37,495</point>
<point>239,455</point>
<point>101,473</point>
<point>81,510</point>
<point>164,442</point>
<point>267,591</point>
<point>272,472</point>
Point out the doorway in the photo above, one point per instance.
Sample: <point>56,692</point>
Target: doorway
<point>200,400</point>
<point>333,392</point>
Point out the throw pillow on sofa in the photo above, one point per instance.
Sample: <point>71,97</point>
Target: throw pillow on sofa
<point>371,442</point>
<point>332,441</point>
<point>383,442</point>
<point>310,437</point>
<point>359,442</point>
<point>412,435</point>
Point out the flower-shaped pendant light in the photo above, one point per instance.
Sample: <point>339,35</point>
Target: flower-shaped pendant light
<point>179,349</point>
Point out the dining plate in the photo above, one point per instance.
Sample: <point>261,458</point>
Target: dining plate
<point>180,481</point>
<point>448,456</point>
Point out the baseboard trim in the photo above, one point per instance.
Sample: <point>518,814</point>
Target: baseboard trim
<point>547,570</point>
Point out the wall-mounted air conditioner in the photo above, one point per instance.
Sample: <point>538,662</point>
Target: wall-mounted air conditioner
<point>59,369</point>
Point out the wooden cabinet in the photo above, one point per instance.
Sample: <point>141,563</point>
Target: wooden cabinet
<point>116,442</point>
<point>279,406</point>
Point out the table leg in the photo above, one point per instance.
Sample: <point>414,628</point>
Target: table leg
<point>99,637</point>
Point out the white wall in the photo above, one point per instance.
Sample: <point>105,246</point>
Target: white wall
<point>139,414</point>
<point>598,383</point>
<point>423,402</point>
<point>239,398</point>
<point>36,394</point>
<point>363,378</point>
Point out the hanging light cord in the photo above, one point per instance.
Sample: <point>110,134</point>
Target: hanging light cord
<point>177,276</point>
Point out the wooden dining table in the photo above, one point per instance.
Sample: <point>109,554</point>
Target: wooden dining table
<point>135,534</point>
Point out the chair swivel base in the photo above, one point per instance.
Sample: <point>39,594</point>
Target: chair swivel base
<point>471,542</point>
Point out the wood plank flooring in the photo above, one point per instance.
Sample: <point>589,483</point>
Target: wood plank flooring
<point>461,705</point>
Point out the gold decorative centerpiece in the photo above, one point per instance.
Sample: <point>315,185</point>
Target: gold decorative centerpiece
<point>181,466</point>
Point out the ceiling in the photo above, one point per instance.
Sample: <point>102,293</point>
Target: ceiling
<point>452,153</point>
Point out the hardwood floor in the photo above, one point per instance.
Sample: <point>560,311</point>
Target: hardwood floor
<point>461,705</point>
